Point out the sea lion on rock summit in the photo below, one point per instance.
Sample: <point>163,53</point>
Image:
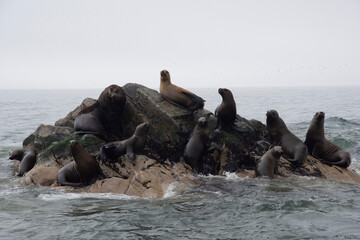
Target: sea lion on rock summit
<point>226,111</point>
<point>280,135</point>
<point>197,143</point>
<point>268,164</point>
<point>130,146</point>
<point>81,171</point>
<point>103,118</point>
<point>27,158</point>
<point>323,149</point>
<point>177,95</point>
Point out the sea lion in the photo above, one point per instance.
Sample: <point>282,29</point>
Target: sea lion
<point>81,171</point>
<point>226,111</point>
<point>197,143</point>
<point>323,149</point>
<point>268,164</point>
<point>292,146</point>
<point>103,118</point>
<point>27,158</point>
<point>130,146</point>
<point>177,95</point>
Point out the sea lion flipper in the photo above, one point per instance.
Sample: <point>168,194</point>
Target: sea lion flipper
<point>216,111</point>
<point>198,101</point>
<point>214,145</point>
<point>130,152</point>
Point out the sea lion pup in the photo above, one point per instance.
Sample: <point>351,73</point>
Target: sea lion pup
<point>323,149</point>
<point>177,95</point>
<point>268,164</point>
<point>226,111</point>
<point>81,171</point>
<point>292,146</point>
<point>27,158</point>
<point>130,146</point>
<point>103,118</point>
<point>197,143</point>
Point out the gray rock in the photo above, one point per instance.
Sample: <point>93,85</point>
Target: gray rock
<point>231,150</point>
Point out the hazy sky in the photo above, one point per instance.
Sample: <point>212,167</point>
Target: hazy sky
<point>203,43</point>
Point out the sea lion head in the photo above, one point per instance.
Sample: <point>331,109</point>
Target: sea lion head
<point>142,129</point>
<point>76,150</point>
<point>225,93</point>
<point>277,151</point>
<point>202,123</point>
<point>113,97</point>
<point>272,117</point>
<point>319,118</point>
<point>165,76</point>
<point>74,145</point>
<point>16,154</point>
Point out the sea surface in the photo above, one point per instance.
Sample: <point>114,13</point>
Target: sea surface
<point>223,207</point>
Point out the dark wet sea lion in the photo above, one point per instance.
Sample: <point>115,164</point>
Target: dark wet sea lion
<point>81,171</point>
<point>280,135</point>
<point>197,143</point>
<point>177,95</point>
<point>27,158</point>
<point>268,163</point>
<point>226,111</point>
<point>130,146</point>
<point>321,148</point>
<point>103,119</point>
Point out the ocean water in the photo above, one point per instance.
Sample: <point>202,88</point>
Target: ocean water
<point>223,207</point>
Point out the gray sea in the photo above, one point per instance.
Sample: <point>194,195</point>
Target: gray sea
<point>223,207</point>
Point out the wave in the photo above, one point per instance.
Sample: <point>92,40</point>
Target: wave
<point>342,121</point>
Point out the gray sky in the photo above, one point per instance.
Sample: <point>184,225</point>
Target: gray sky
<point>203,43</point>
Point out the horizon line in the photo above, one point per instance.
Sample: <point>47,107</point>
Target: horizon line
<point>197,87</point>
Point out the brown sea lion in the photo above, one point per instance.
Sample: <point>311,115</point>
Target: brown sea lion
<point>130,146</point>
<point>177,95</point>
<point>103,118</point>
<point>81,171</point>
<point>197,143</point>
<point>226,111</point>
<point>27,158</point>
<point>321,148</point>
<point>292,146</point>
<point>268,164</point>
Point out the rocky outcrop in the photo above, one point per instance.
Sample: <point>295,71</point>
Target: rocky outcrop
<point>160,166</point>
<point>311,168</point>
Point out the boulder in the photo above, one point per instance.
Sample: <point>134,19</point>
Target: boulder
<point>43,176</point>
<point>160,166</point>
<point>68,121</point>
<point>143,177</point>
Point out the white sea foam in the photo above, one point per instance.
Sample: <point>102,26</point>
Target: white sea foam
<point>209,176</point>
<point>232,176</point>
<point>170,191</point>
<point>73,196</point>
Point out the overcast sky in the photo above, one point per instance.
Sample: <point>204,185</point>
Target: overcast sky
<point>203,43</point>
